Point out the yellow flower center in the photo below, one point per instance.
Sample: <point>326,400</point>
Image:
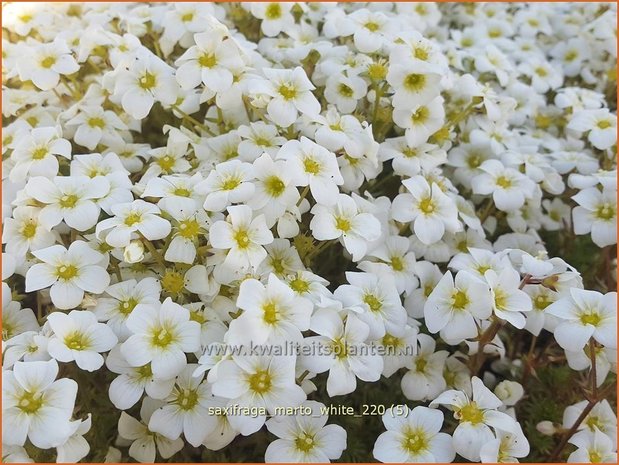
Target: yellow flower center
<point>242,239</point>
<point>144,372</point>
<point>231,183</point>
<point>459,300</point>
<point>39,153</point>
<point>125,307</point>
<point>470,413</point>
<point>345,91</point>
<point>273,11</point>
<point>147,81</point>
<point>162,338</point>
<point>504,182</point>
<point>311,166</point>
<point>415,441</point>
<point>391,341</point>
<point>372,26</point>
<point>473,161</point>
<point>271,314</point>
<point>29,229</point>
<point>173,282</point>
<point>30,402</point>
<point>299,285</point>
<point>305,442</point>
<point>604,124</point>
<point>427,206</point>
<point>342,224</point>
<point>68,201</point>
<point>189,229</point>
<point>373,302</point>
<point>421,115</point>
<point>166,163</point>
<point>260,382</point>
<point>187,17</point>
<point>420,364</point>
<point>207,60</point>
<point>274,186</point>
<point>397,263</point>
<point>541,302</point>
<point>415,82</point>
<point>421,53</point>
<point>186,399</point>
<point>66,272</point>
<point>48,62</point>
<point>288,91</point>
<point>182,192</point>
<point>605,212</point>
<point>339,348</point>
<point>133,218</point>
<point>96,122</point>
<point>591,318</point>
<point>278,265</point>
<point>500,299</point>
<point>77,341</point>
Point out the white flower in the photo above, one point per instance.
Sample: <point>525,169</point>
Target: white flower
<point>230,182</point>
<point>509,300</point>
<point>24,232</point>
<point>585,314</point>
<point>506,448</point>
<point>210,62</point>
<point>272,313</point>
<point>123,298</point>
<point>431,211</point>
<point>257,384</point>
<point>601,417</point>
<point>290,92</point>
<point>593,447</point>
<point>68,198</point>
<point>376,302</point>
<point>425,380</point>
<point>96,125</point>
<point>79,337</point>
<point>36,406</point>
<point>344,221</point>
<point>34,155</point>
<point>69,272</point>
<point>127,389</point>
<point>314,166</point>
<point>454,306</point>
<point>420,121</point>
<point>275,16</point>
<point>130,218</point>
<point>76,447</point>
<point>509,187</point>
<point>242,236</point>
<point>343,352</point>
<point>274,190</point>
<point>601,126</point>
<point>44,65</point>
<point>413,436</point>
<point>305,437</point>
<point>162,333</point>
<point>414,84</point>
<point>596,213</point>
<point>145,443</point>
<point>476,415</point>
<point>147,79</point>
<point>185,410</point>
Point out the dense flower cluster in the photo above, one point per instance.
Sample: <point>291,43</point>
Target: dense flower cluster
<point>370,184</point>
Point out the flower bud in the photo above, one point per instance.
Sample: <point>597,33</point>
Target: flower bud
<point>134,252</point>
<point>547,428</point>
